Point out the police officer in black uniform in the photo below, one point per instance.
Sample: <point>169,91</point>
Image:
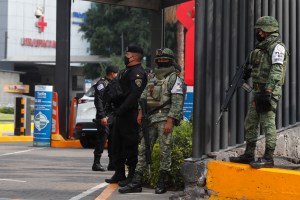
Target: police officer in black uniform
<point>133,80</point>
<point>101,118</point>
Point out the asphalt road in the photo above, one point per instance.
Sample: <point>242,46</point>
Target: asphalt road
<point>34,173</point>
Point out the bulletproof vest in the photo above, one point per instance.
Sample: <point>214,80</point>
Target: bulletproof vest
<point>261,60</point>
<point>113,91</point>
<point>158,92</point>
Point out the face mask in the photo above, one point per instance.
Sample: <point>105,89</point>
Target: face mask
<point>126,60</point>
<point>163,64</point>
<point>259,38</point>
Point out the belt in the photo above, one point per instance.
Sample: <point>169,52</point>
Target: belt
<point>163,110</point>
<point>259,86</point>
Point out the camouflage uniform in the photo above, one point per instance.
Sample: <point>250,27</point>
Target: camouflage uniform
<point>165,85</point>
<point>269,61</point>
<point>171,88</point>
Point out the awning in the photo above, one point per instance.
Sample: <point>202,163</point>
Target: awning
<point>148,4</point>
<point>51,59</point>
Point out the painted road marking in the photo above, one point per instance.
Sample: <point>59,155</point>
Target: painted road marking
<point>90,191</point>
<point>13,180</point>
<point>107,192</point>
<point>17,152</point>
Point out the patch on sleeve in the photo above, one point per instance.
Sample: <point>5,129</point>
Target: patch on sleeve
<point>138,82</point>
<point>100,87</point>
<point>278,54</point>
<point>177,87</point>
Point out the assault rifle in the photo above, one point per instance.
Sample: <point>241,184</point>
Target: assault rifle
<point>143,104</point>
<point>236,82</point>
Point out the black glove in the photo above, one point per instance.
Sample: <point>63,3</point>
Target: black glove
<point>263,102</point>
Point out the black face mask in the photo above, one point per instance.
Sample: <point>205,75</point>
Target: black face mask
<point>126,60</point>
<point>163,64</point>
<point>259,38</point>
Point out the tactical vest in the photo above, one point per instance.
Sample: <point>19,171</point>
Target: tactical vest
<point>261,60</point>
<point>158,92</point>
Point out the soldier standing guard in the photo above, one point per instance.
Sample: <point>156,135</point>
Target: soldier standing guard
<point>131,83</point>
<point>165,86</point>
<point>101,118</point>
<point>269,61</point>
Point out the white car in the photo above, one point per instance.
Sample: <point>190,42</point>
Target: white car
<point>85,128</point>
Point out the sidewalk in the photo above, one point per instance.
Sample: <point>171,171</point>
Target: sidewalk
<point>146,194</point>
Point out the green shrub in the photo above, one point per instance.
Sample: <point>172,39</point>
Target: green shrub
<point>7,110</point>
<point>181,149</point>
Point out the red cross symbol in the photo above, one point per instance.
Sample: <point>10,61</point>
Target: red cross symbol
<point>41,24</point>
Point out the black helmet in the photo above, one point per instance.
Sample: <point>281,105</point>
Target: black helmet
<point>111,68</point>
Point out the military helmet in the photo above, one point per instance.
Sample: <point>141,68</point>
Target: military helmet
<point>267,24</point>
<point>165,53</point>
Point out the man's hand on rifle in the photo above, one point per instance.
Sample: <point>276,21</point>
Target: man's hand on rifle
<point>104,121</point>
<point>139,117</point>
<point>168,126</point>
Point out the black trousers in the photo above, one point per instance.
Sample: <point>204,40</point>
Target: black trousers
<point>103,134</point>
<point>125,140</point>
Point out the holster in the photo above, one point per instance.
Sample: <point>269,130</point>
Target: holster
<point>262,102</point>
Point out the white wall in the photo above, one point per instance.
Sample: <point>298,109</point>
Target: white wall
<point>7,98</point>
<point>22,24</point>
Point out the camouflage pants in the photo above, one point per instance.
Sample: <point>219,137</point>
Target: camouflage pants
<point>156,131</point>
<point>267,122</point>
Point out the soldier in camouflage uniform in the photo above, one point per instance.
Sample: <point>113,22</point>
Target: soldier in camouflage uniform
<point>165,86</point>
<point>268,61</point>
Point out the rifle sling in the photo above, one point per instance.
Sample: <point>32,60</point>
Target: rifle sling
<point>159,107</point>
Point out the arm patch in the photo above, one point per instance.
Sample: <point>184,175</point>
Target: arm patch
<point>100,87</point>
<point>278,54</point>
<point>177,87</point>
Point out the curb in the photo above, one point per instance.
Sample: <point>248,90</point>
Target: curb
<point>228,180</point>
<point>66,144</point>
<point>16,138</point>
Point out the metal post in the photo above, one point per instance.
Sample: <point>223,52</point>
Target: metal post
<point>198,145</point>
<point>27,117</point>
<point>18,115</point>
<point>62,68</point>
<point>156,31</point>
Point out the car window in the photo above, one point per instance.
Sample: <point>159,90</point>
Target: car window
<point>90,92</point>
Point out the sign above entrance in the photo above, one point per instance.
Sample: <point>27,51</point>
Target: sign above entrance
<point>38,43</point>
<point>16,88</point>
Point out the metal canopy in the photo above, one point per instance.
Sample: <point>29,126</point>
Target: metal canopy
<point>147,4</point>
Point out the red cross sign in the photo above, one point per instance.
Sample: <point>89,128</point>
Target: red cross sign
<point>41,24</point>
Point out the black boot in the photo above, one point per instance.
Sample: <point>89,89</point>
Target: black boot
<point>119,175</point>
<point>262,163</point>
<point>266,161</point>
<point>110,166</point>
<point>135,185</point>
<point>129,178</point>
<point>247,157</point>
<point>244,159</point>
<point>97,165</point>
<point>161,184</point>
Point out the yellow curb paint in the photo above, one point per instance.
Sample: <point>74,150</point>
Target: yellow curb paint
<point>66,144</point>
<point>16,139</point>
<point>107,192</point>
<point>57,137</point>
<point>239,181</point>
